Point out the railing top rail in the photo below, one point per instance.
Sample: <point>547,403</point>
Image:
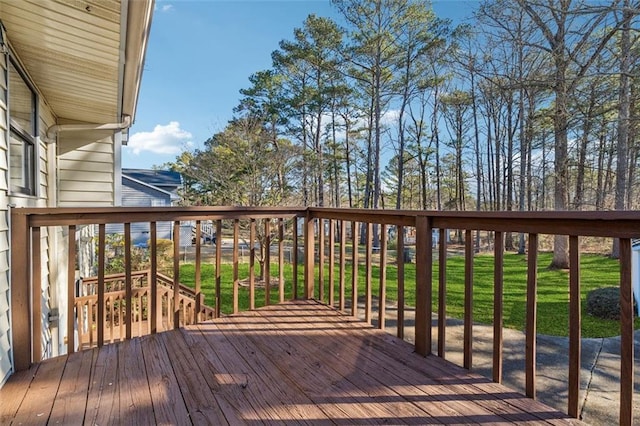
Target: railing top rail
<point>546,214</point>
<point>619,224</point>
<point>115,277</point>
<point>103,215</point>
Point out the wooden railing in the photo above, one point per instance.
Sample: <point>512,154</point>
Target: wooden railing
<point>164,307</point>
<point>332,248</point>
<point>423,225</point>
<point>191,306</point>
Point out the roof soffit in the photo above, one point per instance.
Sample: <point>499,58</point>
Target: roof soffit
<point>74,51</point>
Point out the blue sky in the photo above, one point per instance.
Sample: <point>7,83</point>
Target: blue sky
<point>200,54</point>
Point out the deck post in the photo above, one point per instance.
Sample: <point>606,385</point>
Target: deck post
<point>626,334</point>
<point>424,275</point>
<point>20,293</point>
<point>309,246</point>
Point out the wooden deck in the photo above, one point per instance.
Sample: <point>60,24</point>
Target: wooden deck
<point>299,362</point>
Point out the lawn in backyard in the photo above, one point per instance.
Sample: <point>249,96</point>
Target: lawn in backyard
<point>553,309</point>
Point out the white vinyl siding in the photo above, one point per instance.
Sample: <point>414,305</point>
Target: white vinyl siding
<point>42,182</point>
<point>48,255</point>
<point>5,313</point>
<point>86,173</point>
<point>47,158</point>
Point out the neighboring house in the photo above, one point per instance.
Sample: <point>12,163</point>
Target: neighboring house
<point>160,187</point>
<point>148,188</point>
<point>157,188</point>
<point>70,75</point>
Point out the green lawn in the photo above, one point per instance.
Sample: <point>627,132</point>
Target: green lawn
<point>553,310</point>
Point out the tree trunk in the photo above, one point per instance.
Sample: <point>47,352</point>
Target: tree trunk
<point>578,199</point>
<point>624,101</point>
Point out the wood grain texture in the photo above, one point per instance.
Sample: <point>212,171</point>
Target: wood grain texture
<point>442,292</point>
<point>36,301</point>
<point>300,362</point>
<point>468,301</point>
<point>400,266</point>
<point>498,286</point>
<point>531,329</point>
<point>575,342</point>
<point>626,334</point>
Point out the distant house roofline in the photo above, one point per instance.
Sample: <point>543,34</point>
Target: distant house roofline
<point>157,180</point>
<point>152,187</point>
<point>160,178</point>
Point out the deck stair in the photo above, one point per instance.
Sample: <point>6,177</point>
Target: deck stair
<point>190,305</point>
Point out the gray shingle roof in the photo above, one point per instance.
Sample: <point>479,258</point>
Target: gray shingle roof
<point>165,179</point>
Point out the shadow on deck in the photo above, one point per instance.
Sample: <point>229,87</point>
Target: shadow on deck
<point>298,362</point>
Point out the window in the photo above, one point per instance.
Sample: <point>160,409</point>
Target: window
<point>22,146</point>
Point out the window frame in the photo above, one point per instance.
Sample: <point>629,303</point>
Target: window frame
<point>29,142</point>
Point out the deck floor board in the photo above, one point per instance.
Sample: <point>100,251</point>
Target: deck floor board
<point>295,363</point>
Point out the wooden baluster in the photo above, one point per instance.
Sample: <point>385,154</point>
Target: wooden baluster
<point>71,290</point>
<point>101,284</point>
<point>89,322</point>
<point>626,334</point>
<point>198,272</point>
<point>309,256</point>
<point>109,306</point>
<point>153,305</point>
<point>176,275</point>
<point>252,264</point>
<point>468,300</point>
<point>236,283</point>
<point>574,325</point>
<point>382,295</point>
<point>267,262</point>
<point>218,299</point>
<point>160,315</point>
<point>146,315</point>
<point>294,256</point>
<point>343,257</point>
<point>36,276</point>
<point>91,308</point>
<point>354,268</point>
<point>127,282</point>
<point>400,265</point>
<point>368,274</point>
<point>424,285</point>
<point>442,293</point>
<point>81,320</point>
<point>531,326</point>
<point>281,260</point>
<point>321,282</point>
<point>121,317</point>
<point>332,260</point>
<point>498,286</point>
<point>135,318</point>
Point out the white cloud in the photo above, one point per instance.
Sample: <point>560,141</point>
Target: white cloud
<point>167,7</point>
<point>390,117</point>
<point>168,139</point>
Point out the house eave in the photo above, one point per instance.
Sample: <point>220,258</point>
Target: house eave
<point>84,58</point>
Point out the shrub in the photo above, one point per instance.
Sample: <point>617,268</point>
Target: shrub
<point>604,303</point>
